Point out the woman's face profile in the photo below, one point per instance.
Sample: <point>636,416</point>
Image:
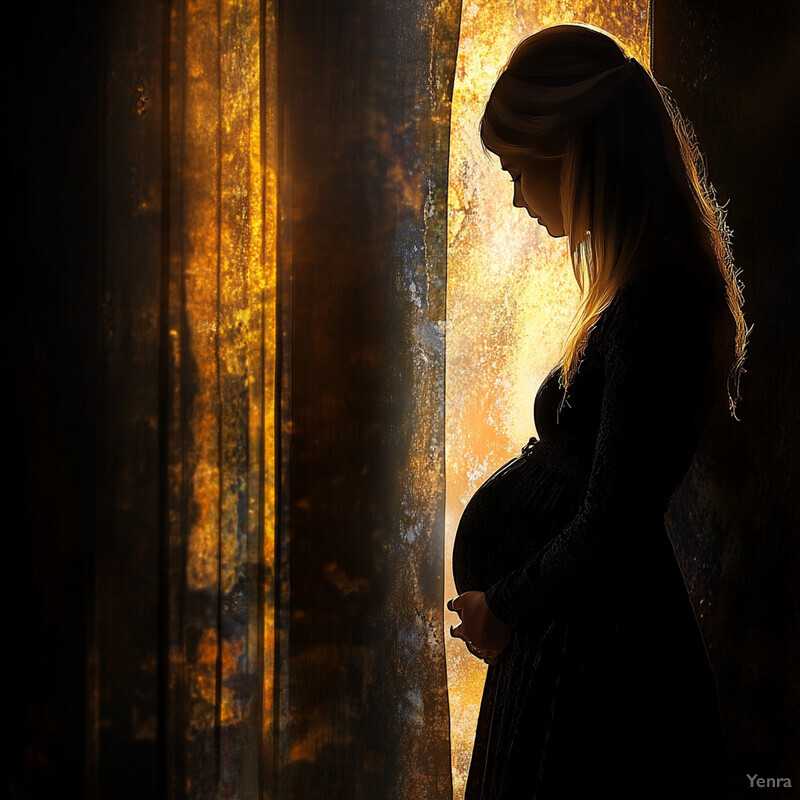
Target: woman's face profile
<point>537,187</point>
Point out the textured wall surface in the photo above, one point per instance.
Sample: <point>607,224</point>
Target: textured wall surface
<point>733,69</point>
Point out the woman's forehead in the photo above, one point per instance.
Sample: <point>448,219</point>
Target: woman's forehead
<point>522,160</point>
<point>513,161</point>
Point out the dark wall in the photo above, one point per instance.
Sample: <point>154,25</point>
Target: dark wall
<point>54,77</point>
<point>733,67</point>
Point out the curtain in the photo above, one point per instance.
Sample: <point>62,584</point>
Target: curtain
<point>267,602</point>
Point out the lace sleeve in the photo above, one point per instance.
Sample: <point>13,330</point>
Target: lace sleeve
<point>656,400</point>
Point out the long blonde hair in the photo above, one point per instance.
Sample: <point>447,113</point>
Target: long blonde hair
<point>632,172</point>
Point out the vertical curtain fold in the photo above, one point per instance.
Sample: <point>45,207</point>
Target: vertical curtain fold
<point>221,364</point>
<point>180,668</point>
<point>364,94</point>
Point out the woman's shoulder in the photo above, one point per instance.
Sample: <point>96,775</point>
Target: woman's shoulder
<point>673,268</point>
<point>675,294</point>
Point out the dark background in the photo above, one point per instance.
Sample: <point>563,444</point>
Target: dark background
<point>54,75</point>
<point>733,68</point>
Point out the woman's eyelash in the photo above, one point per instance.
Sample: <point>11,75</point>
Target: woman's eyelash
<point>514,180</point>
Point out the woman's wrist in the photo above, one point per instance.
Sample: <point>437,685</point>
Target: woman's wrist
<point>493,599</point>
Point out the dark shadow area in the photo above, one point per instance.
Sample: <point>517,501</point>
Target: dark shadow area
<point>54,234</point>
<point>733,68</point>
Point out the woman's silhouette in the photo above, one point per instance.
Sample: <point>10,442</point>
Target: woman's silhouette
<point>568,584</point>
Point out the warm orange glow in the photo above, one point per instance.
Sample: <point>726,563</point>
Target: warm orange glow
<point>222,315</point>
<point>263,416</point>
<point>510,292</point>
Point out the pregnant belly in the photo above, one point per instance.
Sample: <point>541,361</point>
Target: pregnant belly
<point>509,519</point>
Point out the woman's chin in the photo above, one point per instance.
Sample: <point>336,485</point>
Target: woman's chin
<point>553,234</point>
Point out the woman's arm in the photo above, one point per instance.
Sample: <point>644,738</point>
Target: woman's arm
<point>655,403</point>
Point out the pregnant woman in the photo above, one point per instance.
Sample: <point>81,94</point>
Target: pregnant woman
<point>598,681</point>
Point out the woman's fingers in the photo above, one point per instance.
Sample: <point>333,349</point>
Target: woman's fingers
<point>489,656</point>
<point>454,604</point>
<point>478,624</point>
<point>458,632</point>
<point>481,652</point>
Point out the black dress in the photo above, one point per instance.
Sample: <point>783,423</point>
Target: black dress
<point>605,686</point>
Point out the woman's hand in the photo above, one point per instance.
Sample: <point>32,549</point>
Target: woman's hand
<point>484,634</point>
